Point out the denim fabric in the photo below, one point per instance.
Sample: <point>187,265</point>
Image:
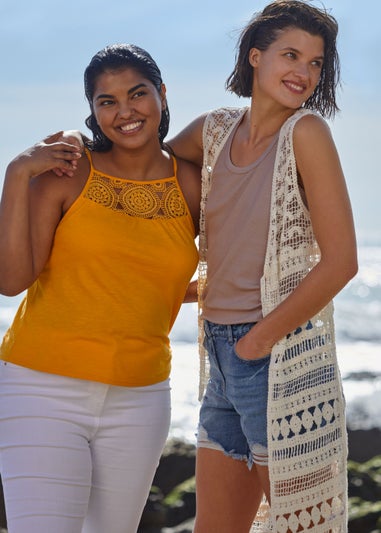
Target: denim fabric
<point>233,415</point>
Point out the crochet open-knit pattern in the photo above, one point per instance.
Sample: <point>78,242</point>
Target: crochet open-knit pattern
<point>151,200</point>
<point>307,443</point>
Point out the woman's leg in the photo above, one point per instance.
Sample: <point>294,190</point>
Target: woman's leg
<point>228,493</point>
<point>126,449</point>
<point>44,454</point>
<point>72,448</point>
<point>231,472</point>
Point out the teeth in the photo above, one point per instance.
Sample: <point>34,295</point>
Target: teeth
<point>296,87</point>
<point>132,126</point>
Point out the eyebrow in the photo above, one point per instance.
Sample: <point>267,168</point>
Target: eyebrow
<point>136,88</point>
<point>130,91</point>
<point>298,52</point>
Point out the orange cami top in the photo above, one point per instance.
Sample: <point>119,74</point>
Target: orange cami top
<point>103,306</point>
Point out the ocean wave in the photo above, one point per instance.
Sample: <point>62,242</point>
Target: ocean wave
<point>358,306</point>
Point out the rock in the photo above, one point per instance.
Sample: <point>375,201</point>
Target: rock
<point>154,516</point>
<point>363,444</point>
<point>177,464</point>
<point>364,516</point>
<point>364,480</point>
<point>181,502</point>
<point>364,491</point>
<point>185,527</point>
<point>172,499</point>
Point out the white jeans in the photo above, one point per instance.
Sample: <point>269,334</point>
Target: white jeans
<point>77,456</point>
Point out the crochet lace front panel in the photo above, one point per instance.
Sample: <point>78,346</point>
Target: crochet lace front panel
<point>306,421</point>
<point>151,200</point>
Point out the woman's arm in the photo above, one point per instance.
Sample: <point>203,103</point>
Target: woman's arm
<point>188,143</point>
<point>191,294</point>
<point>189,176</point>
<point>328,202</point>
<point>30,209</point>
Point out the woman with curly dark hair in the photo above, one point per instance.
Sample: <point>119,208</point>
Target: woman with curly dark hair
<point>106,254</point>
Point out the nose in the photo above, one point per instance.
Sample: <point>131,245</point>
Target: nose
<point>125,109</point>
<point>302,70</point>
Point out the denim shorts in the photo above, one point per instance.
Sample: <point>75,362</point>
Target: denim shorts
<point>233,415</point>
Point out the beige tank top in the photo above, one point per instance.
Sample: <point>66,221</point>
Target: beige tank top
<point>237,222</point>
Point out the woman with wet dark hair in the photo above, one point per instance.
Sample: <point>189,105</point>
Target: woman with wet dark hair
<point>116,57</point>
<point>262,31</point>
<point>277,243</point>
<point>106,254</point>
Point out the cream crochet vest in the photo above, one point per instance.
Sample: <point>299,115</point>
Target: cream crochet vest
<point>307,441</point>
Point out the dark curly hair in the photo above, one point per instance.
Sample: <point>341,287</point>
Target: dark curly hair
<point>265,27</point>
<point>119,57</point>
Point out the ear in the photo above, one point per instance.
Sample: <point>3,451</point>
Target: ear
<point>163,96</point>
<point>254,56</point>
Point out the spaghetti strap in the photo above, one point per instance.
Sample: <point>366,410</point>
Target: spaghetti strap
<point>174,160</point>
<point>90,159</point>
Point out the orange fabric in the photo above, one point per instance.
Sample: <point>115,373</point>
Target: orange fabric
<point>103,307</point>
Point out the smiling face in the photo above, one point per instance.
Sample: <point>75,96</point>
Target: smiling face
<point>288,71</point>
<point>128,108</point>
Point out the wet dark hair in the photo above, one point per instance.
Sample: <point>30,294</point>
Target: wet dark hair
<point>113,58</point>
<point>265,27</point>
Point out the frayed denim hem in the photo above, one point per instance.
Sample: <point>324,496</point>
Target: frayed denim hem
<point>204,441</point>
<point>260,454</point>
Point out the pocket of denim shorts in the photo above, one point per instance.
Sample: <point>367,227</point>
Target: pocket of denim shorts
<point>208,344</point>
<point>256,361</point>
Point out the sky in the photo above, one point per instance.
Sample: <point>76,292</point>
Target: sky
<point>47,45</point>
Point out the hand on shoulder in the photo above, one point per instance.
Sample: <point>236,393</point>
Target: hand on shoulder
<point>44,156</point>
<point>74,138</point>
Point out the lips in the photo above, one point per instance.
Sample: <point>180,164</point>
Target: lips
<point>295,87</point>
<point>131,126</point>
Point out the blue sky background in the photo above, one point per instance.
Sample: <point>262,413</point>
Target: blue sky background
<point>46,45</point>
